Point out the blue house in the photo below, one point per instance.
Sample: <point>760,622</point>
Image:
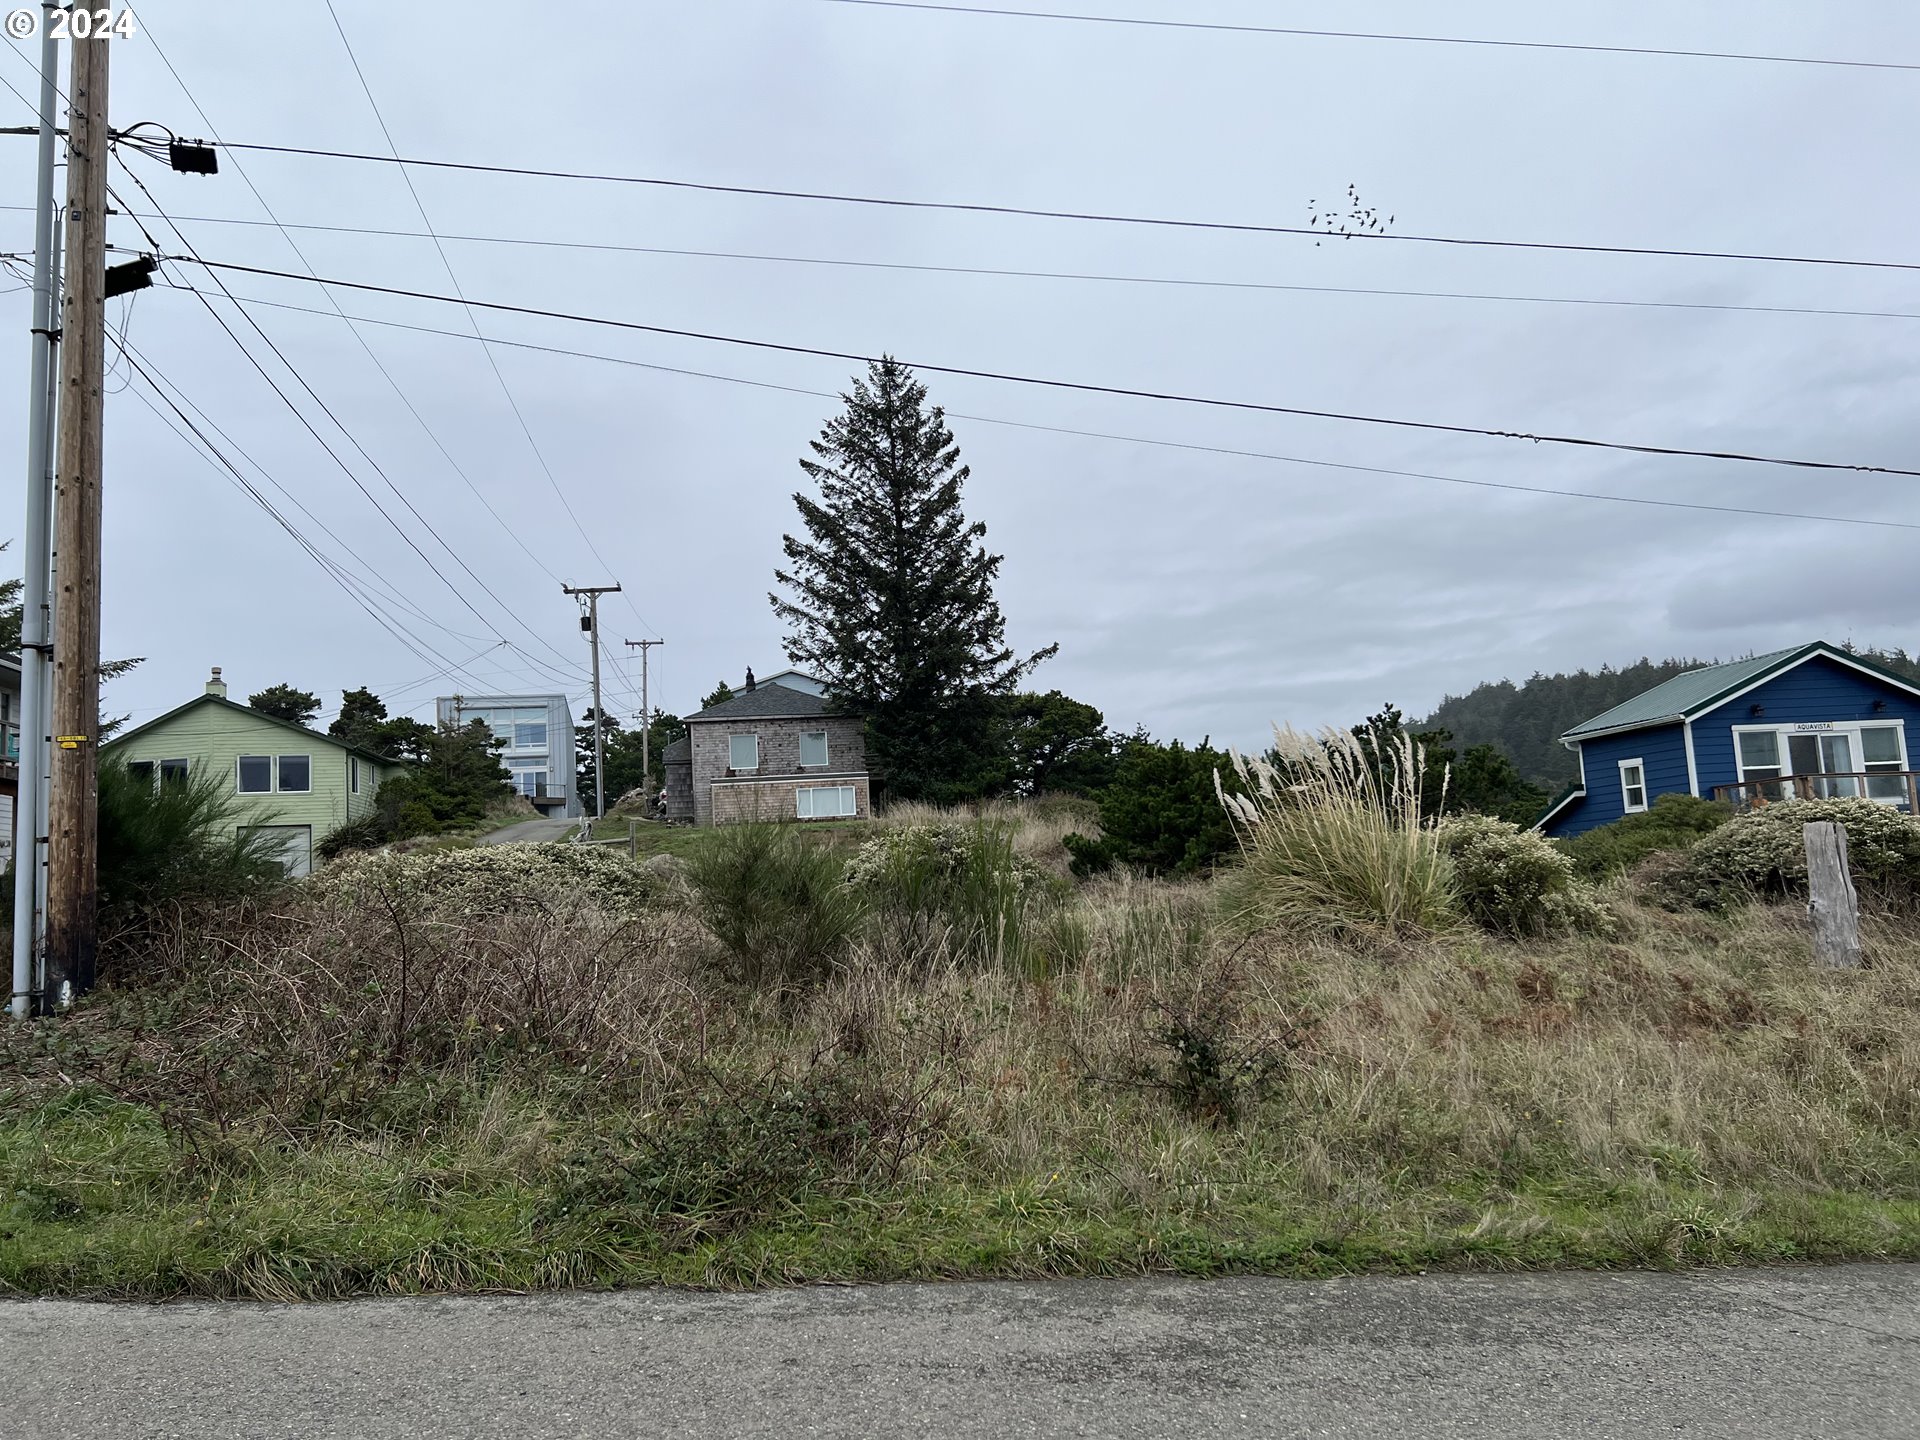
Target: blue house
<point>1813,722</point>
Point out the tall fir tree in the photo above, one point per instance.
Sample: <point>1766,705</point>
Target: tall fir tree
<point>284,702</point>
<point>891,593</point>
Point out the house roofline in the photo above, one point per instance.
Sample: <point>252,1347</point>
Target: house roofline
<point>1571,739</point>
<point>1573,792</point>
<point>1818,649</point>
<point>1792,660</point>
<point>248,710</point>
<point>816,715</point>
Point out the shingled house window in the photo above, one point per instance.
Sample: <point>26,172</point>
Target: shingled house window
<point>743,752</point>
<point>813,748</point>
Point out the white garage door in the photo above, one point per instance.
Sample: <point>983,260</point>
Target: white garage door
<point>291,845</point>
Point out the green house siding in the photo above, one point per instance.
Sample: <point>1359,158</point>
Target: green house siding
<point>213,737</point>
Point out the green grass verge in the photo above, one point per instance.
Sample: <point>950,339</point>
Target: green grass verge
<point>96,1200</point>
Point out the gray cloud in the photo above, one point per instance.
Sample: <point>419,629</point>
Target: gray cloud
<point>1194,593</point>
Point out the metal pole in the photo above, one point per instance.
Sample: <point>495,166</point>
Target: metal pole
<point>29,802</point>
<point>43,751</point>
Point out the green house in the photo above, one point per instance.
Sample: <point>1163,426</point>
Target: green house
<point>293,783</point>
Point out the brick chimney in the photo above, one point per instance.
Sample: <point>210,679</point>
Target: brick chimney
<point>216,686</point>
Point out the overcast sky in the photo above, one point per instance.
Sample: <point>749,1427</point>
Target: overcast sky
<point>1194,592</point>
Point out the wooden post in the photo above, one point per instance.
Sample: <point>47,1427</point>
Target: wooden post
<point>633,839</point>
<point>73,818</point>
<point>1831,902</point>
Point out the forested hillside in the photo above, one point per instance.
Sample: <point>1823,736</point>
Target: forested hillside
<point>1527,720</point>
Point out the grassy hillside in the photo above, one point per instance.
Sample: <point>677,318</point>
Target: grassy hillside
<point>1527,720</point>
<point>532,1067</point>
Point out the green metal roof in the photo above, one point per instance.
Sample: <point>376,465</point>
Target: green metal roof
<point>1687,694</point>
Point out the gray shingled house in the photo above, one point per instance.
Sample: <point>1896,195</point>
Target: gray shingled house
<point>772,752</point>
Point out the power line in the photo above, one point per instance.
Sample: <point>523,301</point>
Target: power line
<point>1083,387</point>
<point>1222,28</point>
<point>418,647</point>
<point>369,579</point>
<point>1010,273</point>
<point>446,264</point>
<point>364,595</point>
<point>274,220</point>
<point>346,469</point>
<point>1129,439</point>
<point>1229,226</point>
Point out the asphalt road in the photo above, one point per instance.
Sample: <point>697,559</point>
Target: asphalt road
<point>529,831</point>
<point>1813,1352</point>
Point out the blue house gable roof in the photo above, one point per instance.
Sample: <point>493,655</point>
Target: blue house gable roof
<point>1681,737</point>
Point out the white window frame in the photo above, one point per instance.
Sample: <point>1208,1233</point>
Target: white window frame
<point>1850,728</point>
<point>273,769</point>
<point>846,802</point>
<point>1627,807</point>
<point>281,789</point>
<point>274,787</point>
<point>731,763</point>
<point>353,774</point>
<point>826,751</point>
<point>542,746</point>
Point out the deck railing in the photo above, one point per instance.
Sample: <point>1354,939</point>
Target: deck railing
<point>1900,788</point>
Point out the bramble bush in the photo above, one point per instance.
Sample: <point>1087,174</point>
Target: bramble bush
<point>1514,881</point>
<point>1763,853</point>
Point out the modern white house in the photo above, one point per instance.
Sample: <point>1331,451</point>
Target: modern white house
<point>537,731</point>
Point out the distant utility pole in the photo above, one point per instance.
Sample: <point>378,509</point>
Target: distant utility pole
<point>29,859</point>
<point>590,622</point>
<point>646,709</point>
<point>73,818</point>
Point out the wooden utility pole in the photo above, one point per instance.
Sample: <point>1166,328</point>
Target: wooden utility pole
<point>646,710</point>
<point>1832,903</point>
<point>73,818</point>
<point>590,622</point>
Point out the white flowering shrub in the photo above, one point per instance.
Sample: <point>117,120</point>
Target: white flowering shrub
<point>1516,882</point>
<point>1763,852</point>
<point>492,879</point>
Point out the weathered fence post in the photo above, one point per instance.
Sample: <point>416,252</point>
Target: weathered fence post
<point>633,839</point>
<point>1831,901</point>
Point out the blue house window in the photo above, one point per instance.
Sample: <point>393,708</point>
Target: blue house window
<point>1633,786</point>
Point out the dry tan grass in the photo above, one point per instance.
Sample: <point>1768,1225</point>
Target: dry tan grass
<point>1685,1046</point>
<point>1635,1096</point>
<point>1039,826</point>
